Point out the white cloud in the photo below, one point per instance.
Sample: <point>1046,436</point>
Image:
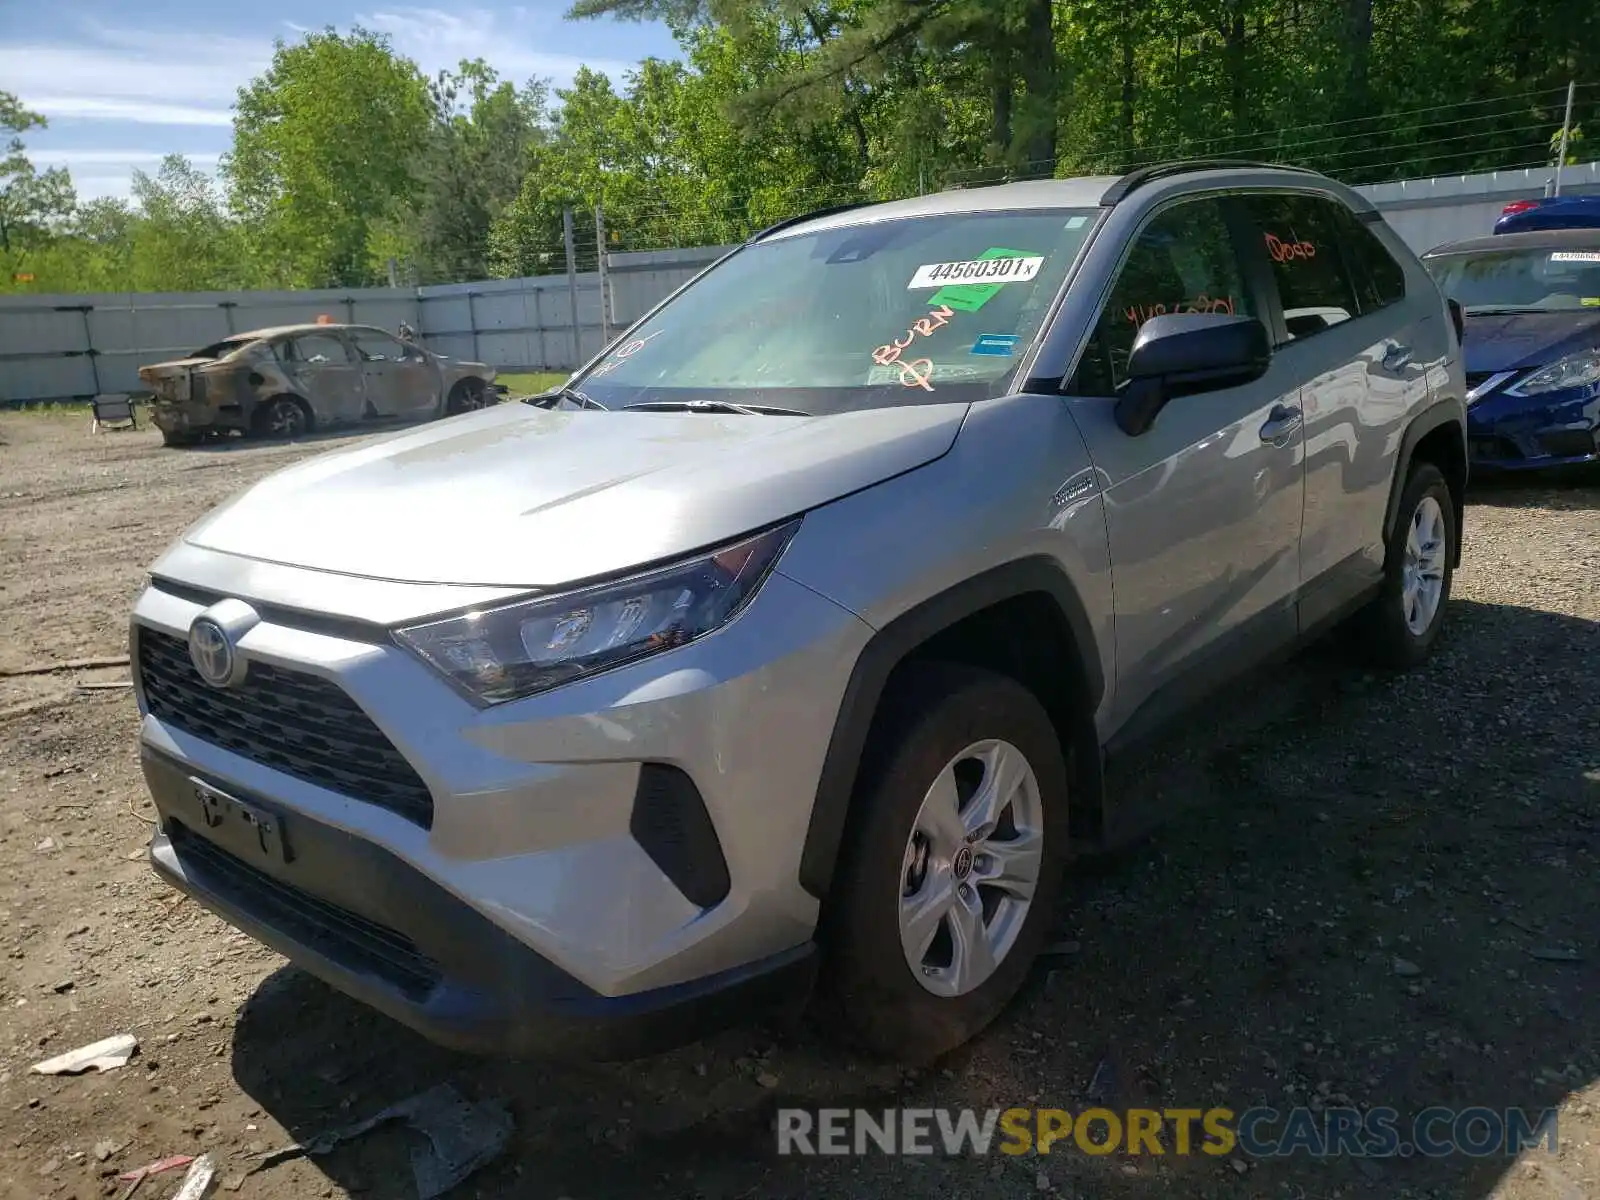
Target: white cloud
<point>115,158</point>
<point>134,76</point>
<point>438,39</point>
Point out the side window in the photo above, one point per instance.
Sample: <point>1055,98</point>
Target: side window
<point>1183,260</point>
<point>319,349</point>
<point>378,347</point>
<point>1379,280</point>
<point>1304,236</point>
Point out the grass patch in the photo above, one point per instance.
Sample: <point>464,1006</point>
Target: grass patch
<point>531,383</point>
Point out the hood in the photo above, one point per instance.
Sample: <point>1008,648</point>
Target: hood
<point>516,496</point>
<point>1516,341</point>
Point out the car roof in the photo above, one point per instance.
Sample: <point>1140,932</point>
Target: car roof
<point>279,331</point>
<point>1088,191</point>
<point>1537,239</point>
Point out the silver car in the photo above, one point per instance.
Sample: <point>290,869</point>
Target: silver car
<point>783,652</point>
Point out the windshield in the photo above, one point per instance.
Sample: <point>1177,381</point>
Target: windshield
<point>221,349</point>
<point>1547,280</point>
<point>908,311</point>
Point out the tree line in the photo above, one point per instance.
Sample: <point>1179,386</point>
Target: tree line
<point>349,165</point>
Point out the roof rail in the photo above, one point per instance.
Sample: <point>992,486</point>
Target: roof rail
<point>1140,176</point>
<point>808,216</point>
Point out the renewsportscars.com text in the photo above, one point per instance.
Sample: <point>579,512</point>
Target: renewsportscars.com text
<point>1258,1132</point>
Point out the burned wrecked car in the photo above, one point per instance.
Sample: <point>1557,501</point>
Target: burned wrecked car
<point>284,382</point>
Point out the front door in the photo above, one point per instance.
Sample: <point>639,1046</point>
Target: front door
<point>400,381</point>
<point>327,377</point>
<point>1203,509</point>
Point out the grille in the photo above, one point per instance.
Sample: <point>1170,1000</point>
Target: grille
<point>296,723</point>
<point>347,938</point>
<point>1493,448</point>
<point>1568,443</point>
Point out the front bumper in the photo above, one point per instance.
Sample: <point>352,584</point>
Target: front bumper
<point>380,931</point>
<point>1507,433</point>
<point>536,906</point>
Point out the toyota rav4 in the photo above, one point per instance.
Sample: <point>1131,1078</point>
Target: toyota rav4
<point>778,654</point>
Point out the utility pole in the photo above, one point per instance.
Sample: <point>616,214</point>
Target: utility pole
<point>605,295</point>
<point>1566,132</point>
<point>572,285</point>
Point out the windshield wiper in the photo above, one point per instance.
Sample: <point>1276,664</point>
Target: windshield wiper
<point>715,406</point>
<point>1502,310</point>
<point>566,392</point>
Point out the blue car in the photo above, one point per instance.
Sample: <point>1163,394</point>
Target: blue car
<point>1549,212</point>
<point>1531,339</point>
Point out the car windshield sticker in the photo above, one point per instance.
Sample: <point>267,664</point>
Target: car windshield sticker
<point>1579,256</point>
<point>970,297</point>
<point>622,354</point>
<point>1002,266</point>
<point>1077,222</point>
<point>1590,301</point>
<point>996,343</point>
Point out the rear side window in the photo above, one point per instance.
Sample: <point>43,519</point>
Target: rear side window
<point>1182,261</point>
<point>1304,238</point>
<point>319,349</point>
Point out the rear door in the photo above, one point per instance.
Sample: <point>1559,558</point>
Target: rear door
<point>1203,509</point>
<point>399,379</point>
<point>1343,323</point>
<point>326,375</point>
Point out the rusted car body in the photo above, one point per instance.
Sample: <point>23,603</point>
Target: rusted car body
<point>286,381</point>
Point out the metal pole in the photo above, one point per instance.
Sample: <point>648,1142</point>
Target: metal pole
<point>572,284</point>
<point>605,294</point>
<point>1566,132</point>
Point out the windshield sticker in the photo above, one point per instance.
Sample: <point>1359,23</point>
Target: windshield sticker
<point>914,373</point>
<point>1583,256</point>
<point>970,297</point>
<point>996,268</point>
<point>622,354</point>
<point>996,343</point>
<point>1283,251</point>
<point>1077,222</point>
<point>1590,302</point>
<point>1138,314</point>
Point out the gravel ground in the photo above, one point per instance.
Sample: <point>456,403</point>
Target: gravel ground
<point>1361,898</point>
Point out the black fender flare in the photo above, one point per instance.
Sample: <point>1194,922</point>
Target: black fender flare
<point>1450,410</point>
<point>887,649</point>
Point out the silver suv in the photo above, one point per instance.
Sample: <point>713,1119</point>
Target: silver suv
<point>778,654</point>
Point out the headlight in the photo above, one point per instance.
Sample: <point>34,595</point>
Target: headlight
<point>505,653</point>
<point>1573,371</point>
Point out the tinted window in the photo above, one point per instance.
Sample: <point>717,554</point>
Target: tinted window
<point>319,348</point>
<point>1303,236</point>
<point>1379,279</point>
<point>1182,261</point>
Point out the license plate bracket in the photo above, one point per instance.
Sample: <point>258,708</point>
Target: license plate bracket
<point>245,825</point>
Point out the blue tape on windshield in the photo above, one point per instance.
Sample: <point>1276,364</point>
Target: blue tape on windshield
<point>996,343</point>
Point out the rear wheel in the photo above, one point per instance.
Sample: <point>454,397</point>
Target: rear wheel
<point>1401,624</point>
<point>467,395</point>
<point>950,882</point>
<point>283,418</point>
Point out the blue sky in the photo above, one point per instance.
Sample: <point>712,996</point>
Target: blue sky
<point>124,82</point>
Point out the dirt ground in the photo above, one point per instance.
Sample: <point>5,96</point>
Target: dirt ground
<point>1364,896</point>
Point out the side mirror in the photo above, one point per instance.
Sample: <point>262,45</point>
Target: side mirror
<point>1458,319</point>
<point>1179,354</point>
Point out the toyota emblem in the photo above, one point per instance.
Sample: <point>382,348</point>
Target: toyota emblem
<point>214,642</point>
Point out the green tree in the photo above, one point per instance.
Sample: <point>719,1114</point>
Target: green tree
<point>34,205</point>
<point>325,150</point>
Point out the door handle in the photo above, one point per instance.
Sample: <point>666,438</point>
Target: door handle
<point>1395,356</point>
<point>1282,423</point>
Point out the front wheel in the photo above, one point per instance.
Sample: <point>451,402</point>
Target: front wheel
<point>950,880</point>
<point>1400,625</point>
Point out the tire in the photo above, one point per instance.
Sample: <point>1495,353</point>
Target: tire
<point>468,395</point>
<point>869,993</point>
<point>1392,631</point>
<point>282,419</point>
<point>179,439</point>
